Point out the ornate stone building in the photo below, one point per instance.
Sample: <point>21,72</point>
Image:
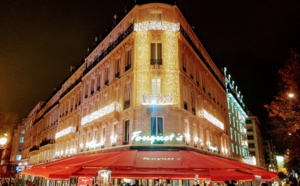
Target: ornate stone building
<point>147,83</point>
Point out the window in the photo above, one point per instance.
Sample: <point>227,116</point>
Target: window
<point>21,140</point>
<point>18,157</point>
<point>250,137</point>
<point>156,16</point>
<point>22,131</point>
<point>128,59</point>
<point>20,148</point>
<point>251,145</point>
<point>127,93</point>
<point>193,103</point>
<point>103,134</point>
<point>183,61</point>
<point>156,86</point>
<point>156,54</point>
<point>248,121</point>
<point>157,127</point>
<point>126,132</point>
<point>107,76</point>
<point>118,67</point>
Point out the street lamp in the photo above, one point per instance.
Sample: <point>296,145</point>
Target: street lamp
<point>3,141</point>
<point>291,95</point>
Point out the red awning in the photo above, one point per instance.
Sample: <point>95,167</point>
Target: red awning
<point>159,174</point>
<point>147,163</point>
<point>227,174</point>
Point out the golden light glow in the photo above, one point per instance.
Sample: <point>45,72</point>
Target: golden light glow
<point>171,78</point>
<point>101,112</point>
<point>204,114</point>
<point>3,141</point>
<point>142,62</point>
<point>156,25</point>
<point>65,132</point>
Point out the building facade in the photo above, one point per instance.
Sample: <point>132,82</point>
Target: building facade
<point>270,155</point>
<point>17,147</point>
<point>149,82</point>
<point>237,120</point>
<point>255,140</point>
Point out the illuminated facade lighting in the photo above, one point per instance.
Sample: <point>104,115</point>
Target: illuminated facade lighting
<point>101,112</point>
<point>65,132</point>
<point>156,25</point>
<point>204,114</point>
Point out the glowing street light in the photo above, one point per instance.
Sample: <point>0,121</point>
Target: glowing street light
<point>3,141</point>
<point>291,95</point>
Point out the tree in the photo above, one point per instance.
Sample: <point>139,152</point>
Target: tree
<point>8,121</point>
<point>284,110</point>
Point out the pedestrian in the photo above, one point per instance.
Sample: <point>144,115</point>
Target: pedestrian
<point>227,183</point>
<point>5,183</point>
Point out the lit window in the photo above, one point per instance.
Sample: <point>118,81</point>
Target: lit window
<point>156,16</point>
<point>156,54</point>
<point>118,66</point>
<point>128,59</point>
<point>22,131</point>
<point>156,86</point>
<point>157,126</point>
<point>126,131</point>
<point>127,93</point>
<point>18,157</point>
<point>21,140</point>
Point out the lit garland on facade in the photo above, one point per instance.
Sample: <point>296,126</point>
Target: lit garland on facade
<point>101,112</point>
<point>171,76</point>
<point>157,99</point>
<point>156,25</point>
<point>142,62</point>
<point>65,132</point>
<point>204,114</point>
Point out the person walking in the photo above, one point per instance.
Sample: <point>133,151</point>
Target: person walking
<point>5,183</point>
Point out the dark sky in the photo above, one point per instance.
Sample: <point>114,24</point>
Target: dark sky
<point>41,39</point>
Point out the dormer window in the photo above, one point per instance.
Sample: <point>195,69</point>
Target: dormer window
<point>156,16</point>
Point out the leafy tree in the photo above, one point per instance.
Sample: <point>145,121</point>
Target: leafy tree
<point>284,110</point>
<point>8,121</point>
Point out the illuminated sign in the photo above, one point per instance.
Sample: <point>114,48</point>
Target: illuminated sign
<point>156,25</point>
<point>136,136</point>
<point>101,112</point>
<point>93,144</point>
<point>65,132</point>
<point>204,114</point>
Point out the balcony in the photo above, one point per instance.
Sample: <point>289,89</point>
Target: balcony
<point>156,61</point>
<point>243,130</point>
<point>33,148</point>
<point>245,143</point>
<point>46,142</point>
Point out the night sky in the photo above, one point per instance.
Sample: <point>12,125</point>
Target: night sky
<point>41,39</point>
